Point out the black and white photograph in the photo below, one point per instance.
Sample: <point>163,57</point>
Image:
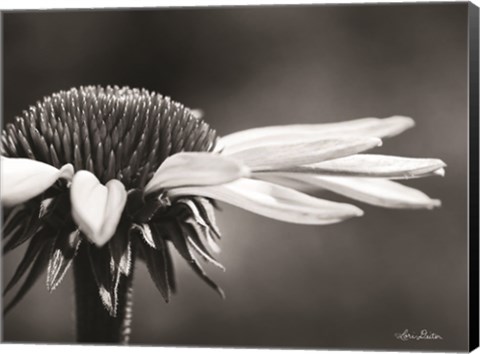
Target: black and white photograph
<point>257,176</point>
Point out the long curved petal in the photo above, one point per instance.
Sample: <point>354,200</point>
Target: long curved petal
<point>376,191</point>
<point>195,169</point>
<point>96,208</point>
<point>24,179</point>
<point>364,165</point>
<point>274,201</point>
<point>274,157</point>
<point>283,134</point>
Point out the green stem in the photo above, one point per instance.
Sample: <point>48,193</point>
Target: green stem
<point>94,323</point>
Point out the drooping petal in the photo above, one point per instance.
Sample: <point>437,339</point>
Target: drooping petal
<point>274,201</point>
<point>61,257</point>
<point>106,278</point>
<point>375,191</point>
<point>34,248</point>
<point>39,264</point>
<point>204,226</point>
<point>194,241</point>
<point>96,208</point>
<point>14,221</point>
<point>25,230</point>
<point>195,169</point>
<point>364,165</point>
<point>146,232</point>
<point>166,256</point>
<point>157,265</point>
<point>120,249</point>
<point>285,134</point>
<point>178,234</point>
<point>198,232</point>
<point>207,212</point>
<point>24,179</point>
<point>274,157</point>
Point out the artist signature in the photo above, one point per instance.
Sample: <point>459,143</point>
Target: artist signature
<point>406,335</point>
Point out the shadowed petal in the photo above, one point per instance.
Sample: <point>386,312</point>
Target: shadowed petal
<point>273,157</point>
<point>202,227</point>
<point>157,264</point>
<point>363,165</point>
<point>375,191</point>
<point>97,208</point>
<point>39,264</point>
<point>63,251</point>
<point>146,232</point>
<point>274,201</point>
<point>284,134</point>
<point>194,169</point>
<point>24,179</point>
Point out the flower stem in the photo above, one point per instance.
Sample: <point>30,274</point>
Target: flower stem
<point>94,323</point>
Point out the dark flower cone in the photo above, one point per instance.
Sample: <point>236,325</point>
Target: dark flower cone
<point>119,133</point>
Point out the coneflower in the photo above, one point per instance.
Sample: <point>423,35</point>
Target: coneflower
<point>99,177</point>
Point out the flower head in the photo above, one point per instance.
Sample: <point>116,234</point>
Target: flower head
<point>127,173</point>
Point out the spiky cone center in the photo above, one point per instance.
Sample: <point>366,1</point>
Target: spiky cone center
<point>115,133</point>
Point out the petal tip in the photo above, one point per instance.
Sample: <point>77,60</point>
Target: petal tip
<point>67,171</point>
<point>115,183</point>
<point>407,122</point>
<point>98,242</point>
<point>360,212</point>
<point>440,172</point>
<point>435,203</point>
<point>356,211</point>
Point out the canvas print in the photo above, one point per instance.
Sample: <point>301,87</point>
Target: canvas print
<point>259,176</point>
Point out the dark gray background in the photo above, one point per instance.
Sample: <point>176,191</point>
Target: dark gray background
<point>350,285</point>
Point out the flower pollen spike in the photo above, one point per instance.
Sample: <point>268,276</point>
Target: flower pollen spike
<point>98,177</point>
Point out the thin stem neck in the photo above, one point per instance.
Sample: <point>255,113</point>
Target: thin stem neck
<point>94,323</point>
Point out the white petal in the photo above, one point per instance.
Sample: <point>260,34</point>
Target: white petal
<point>116,200</point>
<point>440,172</point>
<point>97,208</point>
<point>88,198</point>
<point>274,201</point>
<point>273,157</point>
<point>24,179</point>
<point>296,181</point>
<point>364,165</point>
<point>375,191</point>
<point>283,134</point>
<point>195,169</point>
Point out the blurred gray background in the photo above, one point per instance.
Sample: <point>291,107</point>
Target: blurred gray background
<point>350,285</point>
